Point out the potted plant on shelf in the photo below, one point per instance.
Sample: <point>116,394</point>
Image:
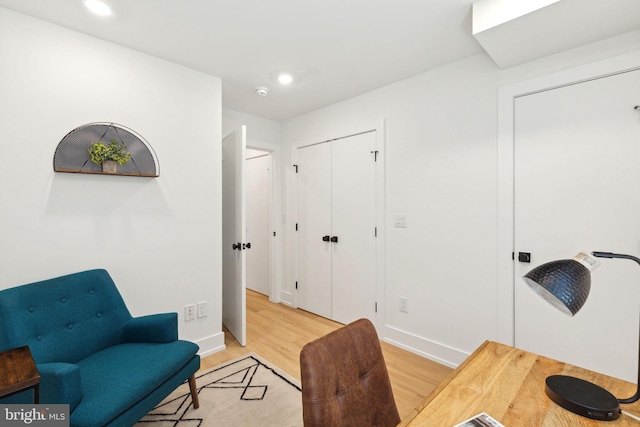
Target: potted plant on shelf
<point>109,156</point>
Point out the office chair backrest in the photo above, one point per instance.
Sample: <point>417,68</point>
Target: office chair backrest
<point>345,380</point>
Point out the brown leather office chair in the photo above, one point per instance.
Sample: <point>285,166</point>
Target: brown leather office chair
<point>345,381</point>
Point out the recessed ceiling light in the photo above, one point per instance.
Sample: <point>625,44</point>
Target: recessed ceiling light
<point>285,79</point>
<point>98,7</point>
<point>262,91</point>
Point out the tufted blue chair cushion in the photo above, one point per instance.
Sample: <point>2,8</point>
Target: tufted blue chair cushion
<point>64,319</point>
<point>109,367</point>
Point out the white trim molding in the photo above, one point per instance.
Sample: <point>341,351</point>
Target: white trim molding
<point>275,212</point>
<point>423,347</point>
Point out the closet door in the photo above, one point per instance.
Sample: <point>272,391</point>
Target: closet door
<point>577,151</point>
<point>353,223</point>
<point>314,229</point>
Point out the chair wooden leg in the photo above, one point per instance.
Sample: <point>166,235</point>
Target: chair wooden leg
<point>194,392</point>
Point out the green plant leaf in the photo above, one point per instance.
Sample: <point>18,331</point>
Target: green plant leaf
<point>118,152</point>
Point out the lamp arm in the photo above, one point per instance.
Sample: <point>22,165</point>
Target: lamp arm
<point>636,396</point>
<point>612,255</point>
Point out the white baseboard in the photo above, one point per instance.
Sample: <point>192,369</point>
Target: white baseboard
<point>211,344</point>
<point>428,349</point>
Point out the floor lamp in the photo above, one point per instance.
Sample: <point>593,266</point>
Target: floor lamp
<point>565,284</point>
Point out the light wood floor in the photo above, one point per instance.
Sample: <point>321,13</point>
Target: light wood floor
<point>278,332</point>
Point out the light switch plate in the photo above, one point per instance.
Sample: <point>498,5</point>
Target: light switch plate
<point>400,220</point>
<point>202,309</point>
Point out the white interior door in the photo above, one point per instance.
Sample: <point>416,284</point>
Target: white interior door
<point>353,222</point>
<point>577,176</point>
<point>314,229</point>
<point>233,234</point>
<point>258,177</point>
<point>337,228</point>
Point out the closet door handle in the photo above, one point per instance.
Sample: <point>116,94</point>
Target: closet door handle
<point>237,246</point>
<point>325,238</point>
<point>246,246</point>
<point>334,239</point>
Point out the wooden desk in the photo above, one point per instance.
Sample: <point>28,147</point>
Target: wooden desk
<point>509,385</point>
<point>18,372</point>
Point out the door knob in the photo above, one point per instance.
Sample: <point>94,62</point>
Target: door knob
<point>246,246</point>
<point>334,239</point>
<point>237,246</point>
<point>325,238</point>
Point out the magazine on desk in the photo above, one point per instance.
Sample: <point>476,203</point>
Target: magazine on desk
<point>480,420</point>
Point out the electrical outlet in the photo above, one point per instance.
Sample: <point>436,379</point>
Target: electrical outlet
<point>404,304</point>
<point>202,309</point>
<point>189,312</point>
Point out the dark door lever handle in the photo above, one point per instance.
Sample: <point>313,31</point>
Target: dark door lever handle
<point>325,238</point>
<point>246,246</point>
<point>334,239</point>
<point>237,246</point>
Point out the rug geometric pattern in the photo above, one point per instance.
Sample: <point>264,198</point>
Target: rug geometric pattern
<point>247,391</point>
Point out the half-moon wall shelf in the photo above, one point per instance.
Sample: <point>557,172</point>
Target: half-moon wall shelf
<point>72,153</point>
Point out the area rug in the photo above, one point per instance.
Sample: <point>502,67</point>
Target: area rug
<point>247,391</point>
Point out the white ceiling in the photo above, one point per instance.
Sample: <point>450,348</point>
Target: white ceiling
<point>340,48</point>
<point>336,48</point>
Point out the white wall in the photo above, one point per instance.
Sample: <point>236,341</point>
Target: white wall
<point>442,172</point>
<point>158,237</point>
<point>258,129</point>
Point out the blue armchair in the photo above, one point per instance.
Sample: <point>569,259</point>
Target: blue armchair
<point>109,367</point>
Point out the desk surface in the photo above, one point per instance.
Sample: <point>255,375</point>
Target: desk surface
<point>508,384</point>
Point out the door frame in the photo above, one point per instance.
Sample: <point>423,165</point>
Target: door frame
<point>506,140</point>
<point>377,126</point>
<point>275,212</point>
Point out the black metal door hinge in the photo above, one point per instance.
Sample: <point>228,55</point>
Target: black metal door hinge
<point>296,285</point>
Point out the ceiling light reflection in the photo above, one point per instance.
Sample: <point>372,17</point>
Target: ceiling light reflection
<point>98,7</point>
<point>285,79</point>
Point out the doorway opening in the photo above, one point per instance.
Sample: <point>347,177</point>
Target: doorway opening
<point>240,253</point>
<point>258,224</point>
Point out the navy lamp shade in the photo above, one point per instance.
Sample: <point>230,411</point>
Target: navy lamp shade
<point>566,284</point>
